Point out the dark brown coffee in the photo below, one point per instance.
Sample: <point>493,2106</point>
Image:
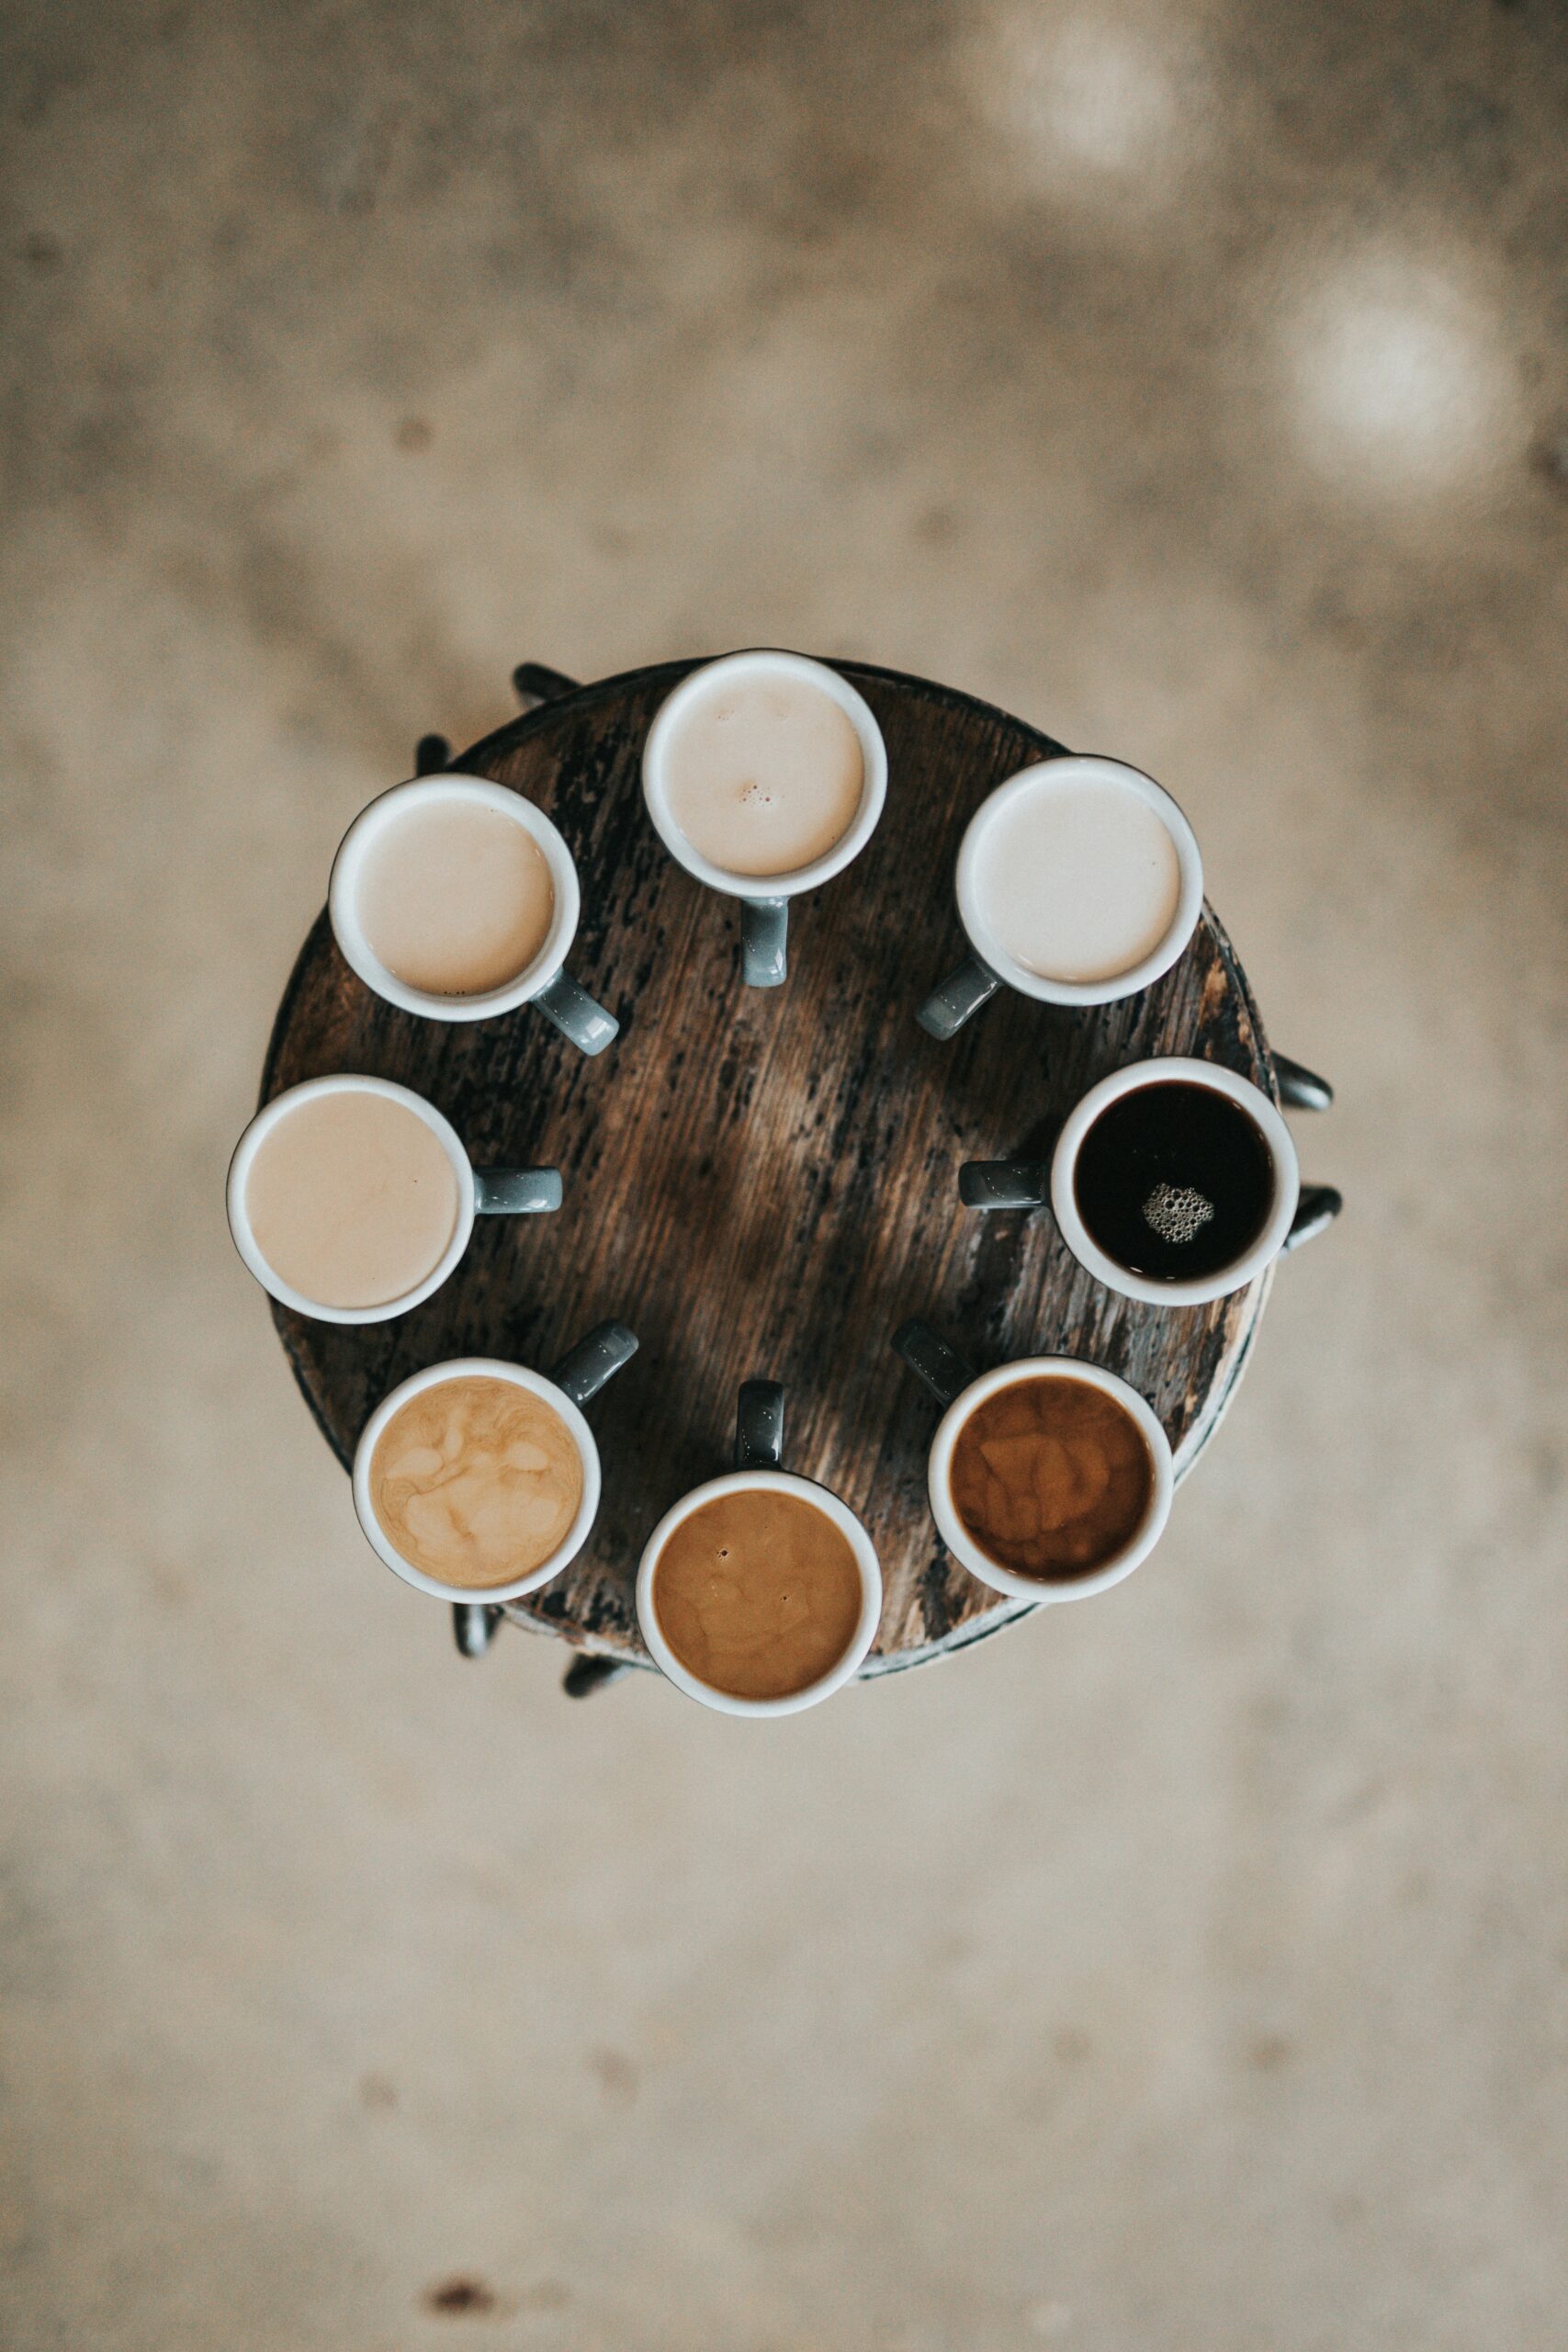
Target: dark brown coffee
<point>1174,1180</point>
<point>758,1593</point>
<point>1051,1477</point>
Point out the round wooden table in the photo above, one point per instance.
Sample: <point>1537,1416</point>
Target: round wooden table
<point>764,1182</point>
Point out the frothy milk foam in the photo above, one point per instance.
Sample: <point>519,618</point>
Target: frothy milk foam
<point>455,898</point>
<point>476,1480</point>
<point>1079,881</point>
<point>351,1199</point>
<point>763,774</point>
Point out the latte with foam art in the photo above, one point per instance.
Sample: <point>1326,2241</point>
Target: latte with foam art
<point>476,1481</point>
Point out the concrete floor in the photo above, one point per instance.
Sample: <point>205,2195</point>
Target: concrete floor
<point>1184,1969</point>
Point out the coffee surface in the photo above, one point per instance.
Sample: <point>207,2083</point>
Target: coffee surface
<point>1079,881</point>
<point>351,1199</point>
<point>1174,1180</point>
<point>455,898</point>
<point>758,1593</point>
<point>1051,1477</point>
<point>476,1481</point>
<point>764,775</point>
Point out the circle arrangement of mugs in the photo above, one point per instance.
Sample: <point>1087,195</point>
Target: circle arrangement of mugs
<point>759,1593</point>
<point>1079,882</point>
<point>1049,1479</point>
<point>351,1199</point>
<point>764,775</point>
<point>456,899</point>
<point>479,1480</point>
<point>1173,1182</point>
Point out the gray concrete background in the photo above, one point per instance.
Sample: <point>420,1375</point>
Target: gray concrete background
<point>1184,1969</point>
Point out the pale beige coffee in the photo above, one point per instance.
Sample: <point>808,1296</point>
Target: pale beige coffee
<point>1079,881</point>
<point>351,1199</point>
<point>455,898</point>
<point>476,1481</point>
<point>763,774</point>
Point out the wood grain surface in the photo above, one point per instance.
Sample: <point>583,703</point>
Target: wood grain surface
<point>765,1181</point>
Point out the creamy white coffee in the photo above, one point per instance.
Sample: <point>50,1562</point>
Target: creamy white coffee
<point>1079,881</point>
<point>351,1199</point>
<point>455,898</point>
<point>763,774</point>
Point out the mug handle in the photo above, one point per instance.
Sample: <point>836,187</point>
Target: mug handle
<point>764,939</point>
<point>1316,1209</point>
<point>575,1014</point>
<point>759,1425</point>
<point>958,998</point>
<point>516,1191</point>
<point>1004,1184</point>
<point>927,1353</point>
<point>596,1358</point>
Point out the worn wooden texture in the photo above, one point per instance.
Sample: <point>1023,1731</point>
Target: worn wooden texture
<point>766,1181</point>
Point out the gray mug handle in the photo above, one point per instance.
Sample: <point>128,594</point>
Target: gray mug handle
<point>927,1353</point>
<point>958,998</point>
<point>1316,1209</point>
<point>1004,1184</point>
<point>764,942</point>
<point>759,1425</point>
<point>516,1191</point>
<point>596,1358</point>
<point>575,1014</point>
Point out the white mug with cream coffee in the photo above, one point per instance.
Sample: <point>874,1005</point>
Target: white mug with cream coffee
<point>764,775</point>
<point>351,1199</point>
<point>477,1480</point>
<point>1079,882</point>
<point>456,899</point>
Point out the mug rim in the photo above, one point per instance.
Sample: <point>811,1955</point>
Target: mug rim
<point>261,1125</point>
<point>1082,765</point>
<point>762,1481</point>
<point>961,1544</point>
<point>874,784</point>
<point>1173,1069</point>
<point>430,791</point>
<point>537,1384</point>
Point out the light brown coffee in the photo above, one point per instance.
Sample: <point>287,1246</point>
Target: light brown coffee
<point>758,1593</point>
<point>1051,1477</point>
<point>455,898</point>
<point>763,774</point>
<point>352,1199</point>
<point>476,1481</point>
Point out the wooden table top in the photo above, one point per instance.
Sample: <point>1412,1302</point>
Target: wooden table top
<point>764,1182</point>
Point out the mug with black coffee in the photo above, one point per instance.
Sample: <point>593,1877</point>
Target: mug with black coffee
<point>1049,1479</point>
<point>1173,1180</point>
<point>351,1198</point>
<point>759,1593</point>
<point>479,1480</point>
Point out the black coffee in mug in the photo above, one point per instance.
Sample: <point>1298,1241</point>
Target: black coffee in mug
<point>1174,1180</point>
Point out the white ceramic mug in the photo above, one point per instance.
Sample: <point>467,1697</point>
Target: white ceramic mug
<point>764,910</point>
<point>579,1375</point>
<point>961,1389</point>
<point>481,1191</point>
<point>989,965</point>
<point>758,1453</point>
<point>1024,1184</point>
<point>544,982</point>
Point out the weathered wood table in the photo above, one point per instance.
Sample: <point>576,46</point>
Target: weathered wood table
<point>765,1181</point>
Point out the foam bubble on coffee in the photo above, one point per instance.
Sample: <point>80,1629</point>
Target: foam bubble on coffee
<point>1078,879</point>
<point>476,1481</point>
<point>352,1199</point>
<point>763,774</point>
<point>455,898</point>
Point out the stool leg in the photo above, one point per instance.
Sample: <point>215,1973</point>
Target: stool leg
<point>1302,1090</point>
<point>586,1675</point>
<point>534,683</point>
<point>431,755</point>
<point>473,1627</point>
